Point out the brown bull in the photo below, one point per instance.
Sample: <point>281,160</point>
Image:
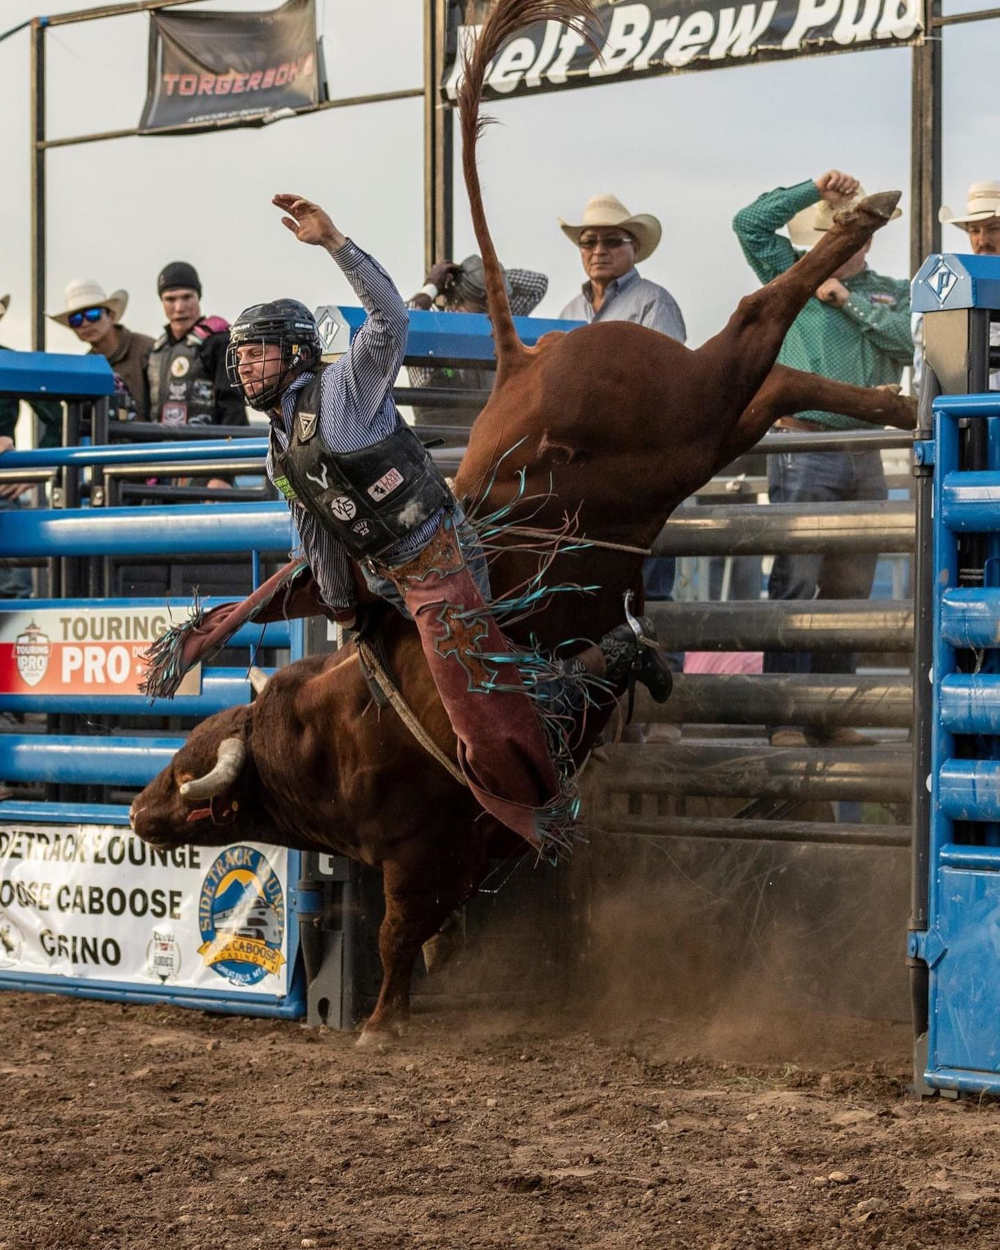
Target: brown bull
<point>613,423</point>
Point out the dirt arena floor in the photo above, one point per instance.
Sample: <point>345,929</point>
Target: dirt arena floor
<point>154,1128</point>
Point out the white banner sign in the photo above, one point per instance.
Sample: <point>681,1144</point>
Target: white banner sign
<point>97,903</point>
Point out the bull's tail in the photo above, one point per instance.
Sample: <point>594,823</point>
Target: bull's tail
<point>507,17</point>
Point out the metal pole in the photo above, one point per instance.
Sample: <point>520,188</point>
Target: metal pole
<point>752,529</point>
<point>878,774</point>
<point>438,139</point>
<point>38,183</point>
<point>786,625</point>
<point>781,699</point>
<point>925,139</point>
<point>753,830</point>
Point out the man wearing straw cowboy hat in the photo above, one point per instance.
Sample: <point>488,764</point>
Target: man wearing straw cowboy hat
<point>612,241</point>
<point>95,318</point>
<point>857,330</point>
<point>981,222</point>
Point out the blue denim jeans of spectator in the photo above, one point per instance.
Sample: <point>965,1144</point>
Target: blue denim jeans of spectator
<point>15,583</point>
<point>821,477</point>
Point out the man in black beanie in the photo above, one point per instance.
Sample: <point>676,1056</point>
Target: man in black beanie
<point>188,384</point>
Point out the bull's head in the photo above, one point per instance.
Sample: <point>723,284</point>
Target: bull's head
<point>197,798</point>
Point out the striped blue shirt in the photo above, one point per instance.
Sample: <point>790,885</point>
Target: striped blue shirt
<point>356,410</point>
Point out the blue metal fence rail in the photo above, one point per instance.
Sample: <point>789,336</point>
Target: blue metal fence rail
<point>960,945</point>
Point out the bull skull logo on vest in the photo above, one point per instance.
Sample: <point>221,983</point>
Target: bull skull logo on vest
<point>320,481</point>
<point>31,651</point>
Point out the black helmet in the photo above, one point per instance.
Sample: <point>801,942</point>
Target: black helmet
<point>283,321</point>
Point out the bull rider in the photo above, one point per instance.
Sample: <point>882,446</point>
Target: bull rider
<point>365,494</point>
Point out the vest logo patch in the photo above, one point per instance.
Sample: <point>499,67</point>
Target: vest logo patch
<point>320,481</point>
<point>286,488</point>
<point>361,528</point>
<point>882,297</point>
<point>176,390</point>
<point>307,425</point>
<point>343,507</point>
<point>386,484</point>
<point>174,414</point>
<point>179,366</point>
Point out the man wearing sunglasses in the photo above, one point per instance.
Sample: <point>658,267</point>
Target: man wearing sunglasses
<point>612,241</point>
<point>95,319</point>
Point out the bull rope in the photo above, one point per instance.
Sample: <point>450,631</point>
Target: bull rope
<point>403,710</point>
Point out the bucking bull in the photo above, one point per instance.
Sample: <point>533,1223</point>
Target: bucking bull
<point>613,425</point>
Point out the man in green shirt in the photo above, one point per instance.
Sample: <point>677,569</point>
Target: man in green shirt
<point>856,329</point>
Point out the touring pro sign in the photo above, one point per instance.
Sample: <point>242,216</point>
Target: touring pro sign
<point>665,36</point>
<point>74,650</point>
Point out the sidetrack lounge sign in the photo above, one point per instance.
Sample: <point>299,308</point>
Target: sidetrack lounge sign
<point>208,69</point>
<point>665,36</point>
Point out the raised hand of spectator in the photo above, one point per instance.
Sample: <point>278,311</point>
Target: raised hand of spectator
<point>832,291</point>
<point>836,187</point>
<point>442,275</point>
<point>10,490</point>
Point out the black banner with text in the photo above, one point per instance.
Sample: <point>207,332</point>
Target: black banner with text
<point>665,36</point>
<point>208,69</point>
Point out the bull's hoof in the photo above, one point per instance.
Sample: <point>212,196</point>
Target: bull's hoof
<point>379,1037</point>
<point>873,210</point>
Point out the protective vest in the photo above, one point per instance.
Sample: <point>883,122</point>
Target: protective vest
<point>369,499</point>
<point>181,389</point>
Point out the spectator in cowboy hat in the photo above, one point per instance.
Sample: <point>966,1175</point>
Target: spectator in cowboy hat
<point>981,220</point>
<point>612,241</point>
<point>857,330</point>
<point>461,287</point>
<point>95,319</point>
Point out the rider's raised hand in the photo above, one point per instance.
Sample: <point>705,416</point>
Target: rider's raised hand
<point>308,222</point>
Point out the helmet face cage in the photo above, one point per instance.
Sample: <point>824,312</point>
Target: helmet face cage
<point>294,356</point>
<point>298,345</point>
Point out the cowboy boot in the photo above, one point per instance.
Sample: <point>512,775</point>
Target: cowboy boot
<point>627,653</point>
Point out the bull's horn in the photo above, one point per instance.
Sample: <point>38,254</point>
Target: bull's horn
<point>228,762</point>
<point>258,679</point>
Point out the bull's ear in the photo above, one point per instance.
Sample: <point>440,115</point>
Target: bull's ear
<point>229,761</point>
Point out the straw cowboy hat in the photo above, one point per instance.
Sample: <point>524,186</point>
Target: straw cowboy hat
<point>4,304</point>
<point>608,210</point>
<point>982,204</point>
<point>86,293</point>
<point>807,227</point>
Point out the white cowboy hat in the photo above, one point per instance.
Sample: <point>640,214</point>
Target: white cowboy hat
<point>806,228</point>
<point>982,204</point>
<point>608,210</point>
<point>4,304</point>
<point>86,293</point>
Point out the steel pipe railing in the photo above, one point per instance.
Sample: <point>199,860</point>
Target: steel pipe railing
<point>825,702</point>
<point>881,774</point>
<point>736,829</point>
<point>786,625</point>
<point>770,529</point>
